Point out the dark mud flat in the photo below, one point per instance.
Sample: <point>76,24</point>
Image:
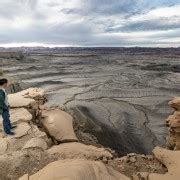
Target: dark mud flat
<point>119,96</point>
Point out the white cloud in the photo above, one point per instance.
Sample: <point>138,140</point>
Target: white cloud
<point>87,23</point>
<point>164,12</point>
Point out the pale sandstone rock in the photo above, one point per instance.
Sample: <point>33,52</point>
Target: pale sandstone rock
<point>173,122</point>
<point>59,125</point>
<point>35,132</point>
<point>36,142</point>
<point>17,100</point>
<point>25,130</point>
<point>3,146</point>
<point>26,133</point>
<point>35,93</point>
<point>171,159</point>
<point>25,98</point>
<point>1,135</point>
<point>175,103</point>
<point>77,150</point>
<point>32,92</point>
<point>25,177</point>
<point>21,130</point>
<point>77,170</point>
<point>17,163</point>
<point>168,120</point>
<point>171,141</point>
<point>20,114</point>
<point>17,141</point>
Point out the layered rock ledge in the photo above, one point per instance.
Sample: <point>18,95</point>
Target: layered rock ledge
<point>173,122</point>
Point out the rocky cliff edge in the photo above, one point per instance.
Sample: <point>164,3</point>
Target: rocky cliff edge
<point>46,147</point>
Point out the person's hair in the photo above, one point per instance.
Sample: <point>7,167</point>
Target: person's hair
<point>3,81</point>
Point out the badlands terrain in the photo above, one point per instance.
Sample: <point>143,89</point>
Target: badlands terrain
<point>118,95</point>
<point>46,147</point>
<point>93,111</point>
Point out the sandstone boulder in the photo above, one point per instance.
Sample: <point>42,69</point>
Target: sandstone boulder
<point>37,94</point>
<point>59,125</point>
<point>25,177</point>
<point>16,100</point>
<point>3,146</point>
<point>77,150</point>
<point>173,122</point>
<point>27,135</point>
<point>36,143</point>
<point>17,163</point>
<point>26,97</point>
<point>76,169</point>
<point>20,114</point>
<point>22,130</point>
<point>32,93</point>
<point>36,132</point>
<point>171,159</point>
<point>175,103</point>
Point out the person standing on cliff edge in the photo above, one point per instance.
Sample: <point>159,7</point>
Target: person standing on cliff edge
<point>4,108</point>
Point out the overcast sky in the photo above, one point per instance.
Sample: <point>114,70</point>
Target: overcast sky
<point>90,22</point>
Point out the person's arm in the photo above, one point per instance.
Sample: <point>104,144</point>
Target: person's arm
<point>2,98</point>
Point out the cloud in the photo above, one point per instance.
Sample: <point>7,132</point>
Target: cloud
<point>148,25</point>
<point>90,22</point>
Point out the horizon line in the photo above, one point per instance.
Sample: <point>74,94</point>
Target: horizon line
<point>51,47</point>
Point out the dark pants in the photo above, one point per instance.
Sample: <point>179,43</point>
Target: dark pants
<point>6,121</point>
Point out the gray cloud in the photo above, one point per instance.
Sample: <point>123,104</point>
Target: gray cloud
<point>106,8</point>
<point>148,25</point>
<point>88,22</point>
<point>109,7</point>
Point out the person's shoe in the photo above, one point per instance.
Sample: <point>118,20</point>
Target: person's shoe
<point>13,127</point>
<point>11,133</point>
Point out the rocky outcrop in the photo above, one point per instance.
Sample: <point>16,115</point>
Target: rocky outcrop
<point>77,150</point>
<point>24,152</point>
<point>173,121</point>
<point>21,106</point>
<point>20,114</point>
<point>17,163</point>
<point>134,164</point>
<point>24,133</point>
<point>27,98</point>
<point>59,125</point>
<point>76,169</point>
<point>175,103</point>
<point>39,130</point>
<point>17,100</point>
<point>36,143</point>
<point>171,159</point>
